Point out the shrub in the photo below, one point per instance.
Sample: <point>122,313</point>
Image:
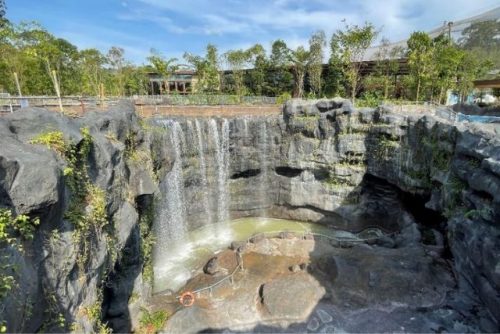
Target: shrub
<point>283,98</point>
<point>152,322</point>
<point>53,140</point>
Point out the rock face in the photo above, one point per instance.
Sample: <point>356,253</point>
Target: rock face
<point>291,297</point>
<point>52,291</point>
<point>326,162</point>
<point>322,161</point>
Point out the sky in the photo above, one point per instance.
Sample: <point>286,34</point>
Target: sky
<point>174,27</point>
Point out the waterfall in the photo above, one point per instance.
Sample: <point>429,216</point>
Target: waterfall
<point>203,174</point>
<point>171,211</point>
<point>221,143</point>
<point>263,157</point>
<point>245,130</point>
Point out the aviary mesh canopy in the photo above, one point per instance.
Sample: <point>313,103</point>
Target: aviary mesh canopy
<point>479,31</point>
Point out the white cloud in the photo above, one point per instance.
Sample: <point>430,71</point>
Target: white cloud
<point>241,23</point>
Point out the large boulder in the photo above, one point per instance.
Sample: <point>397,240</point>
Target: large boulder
<point>292,297</point>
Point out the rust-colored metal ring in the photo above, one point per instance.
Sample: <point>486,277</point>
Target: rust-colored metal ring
<point>187,299</point>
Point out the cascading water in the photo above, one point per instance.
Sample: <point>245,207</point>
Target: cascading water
<point>245,130</point>
<point>222,164</point>
<point>171,215</point>
<point>207,142</point>
<point>169,226</point>
<point>203,174</point>
<point>263,157</point>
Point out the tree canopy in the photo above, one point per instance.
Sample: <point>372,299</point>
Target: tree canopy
<point>40,62</point>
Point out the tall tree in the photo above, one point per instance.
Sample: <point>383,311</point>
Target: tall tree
<point>238,61</point>
<point>300,59</point>
<point>446,60</point>
<point>164,66</point>
<point>3,10</point>
<point>317,43</point>
<point>420,57</point>
<point>91,68</point>
<point>280,78</point>
<point>259,75</point>
<point>241,60</point>
<point>469,69</point>
<point>348,47</point>
<point>117,62</point>
<point>387,64</point>
<point>207,69</point>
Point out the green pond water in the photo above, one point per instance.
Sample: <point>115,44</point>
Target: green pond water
<point>184,257</point>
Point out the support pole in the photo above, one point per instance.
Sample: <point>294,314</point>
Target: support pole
<point>16,79</point>
<point>101,94</point>
<point>58,90</point>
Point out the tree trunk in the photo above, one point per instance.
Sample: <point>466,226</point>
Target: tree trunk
<point>418,90</point>
<point>386,88</point>
<point>440,95</point>
<point>301,85</point>
<point>353,93</point>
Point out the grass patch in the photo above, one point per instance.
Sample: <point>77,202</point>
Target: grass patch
<point>147,241</point>
<point>152,322</point>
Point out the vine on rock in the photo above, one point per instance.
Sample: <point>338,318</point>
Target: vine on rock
<point>87,206</point>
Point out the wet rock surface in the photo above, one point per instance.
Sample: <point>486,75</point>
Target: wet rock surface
<point>372,289</point>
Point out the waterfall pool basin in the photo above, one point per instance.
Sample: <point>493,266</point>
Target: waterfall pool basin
<point>180,259</point>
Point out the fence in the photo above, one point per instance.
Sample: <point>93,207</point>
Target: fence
<point>81,103</point>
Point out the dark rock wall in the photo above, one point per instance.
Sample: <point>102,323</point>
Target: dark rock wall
<point>51,293</point>
<point>322,161</point>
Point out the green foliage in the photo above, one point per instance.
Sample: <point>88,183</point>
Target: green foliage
<point>386,68</point>
<point>420,59</point>
<point>369,99</point>
<point>93,313</point>
<point>207,69</point>
<point>53,317</point>
<point>31,52</point>
<point>53,140</point>
<point>440,158</point>
<point>87,207</point>
<point>238,61</point>
<point>147,241</point>
<point>317,43</point>
<point>152,322</point>
<point>446,60</point>
<point>453,200</point>
<point>348,47</point>
<point>21,226</point>
<point>13,230</point>
<point>163,66</point>
<point>279,78</point>
<point>338,183</point>
<point>283,98</point>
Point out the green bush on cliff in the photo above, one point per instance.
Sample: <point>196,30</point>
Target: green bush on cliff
<point>53,140</point>
<point>87,207</point>
<point>147,242</point>
<point>152,322</point>
<point>12,231</point>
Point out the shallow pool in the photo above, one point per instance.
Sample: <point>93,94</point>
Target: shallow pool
<point>182,258</point>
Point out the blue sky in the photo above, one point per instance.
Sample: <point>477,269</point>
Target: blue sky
<point>174,27</point>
